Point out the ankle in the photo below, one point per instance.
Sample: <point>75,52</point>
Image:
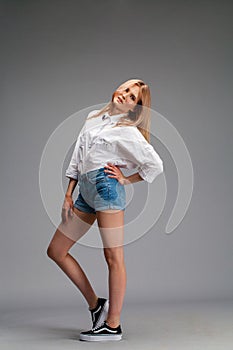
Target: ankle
<point>93,305</point>
<point>113,324</point>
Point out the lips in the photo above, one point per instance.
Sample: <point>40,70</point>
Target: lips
<point>119,99</point>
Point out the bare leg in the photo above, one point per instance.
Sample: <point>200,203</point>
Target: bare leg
<point>64,238</point>
<point>111,226</point>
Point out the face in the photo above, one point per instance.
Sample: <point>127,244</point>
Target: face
<point>126,97</point>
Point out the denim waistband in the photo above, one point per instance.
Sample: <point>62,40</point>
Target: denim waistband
<point>84,176</point>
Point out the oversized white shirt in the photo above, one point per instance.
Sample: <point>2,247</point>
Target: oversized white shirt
<point>124,146</point>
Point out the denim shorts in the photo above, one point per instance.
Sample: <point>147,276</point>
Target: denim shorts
<point>97,191</point>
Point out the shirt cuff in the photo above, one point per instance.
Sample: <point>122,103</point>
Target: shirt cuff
<point>148,173</point>
<point>71,175</point>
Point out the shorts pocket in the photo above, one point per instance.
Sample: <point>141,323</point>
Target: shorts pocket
<point>113,190</point>
<point>97,176</point>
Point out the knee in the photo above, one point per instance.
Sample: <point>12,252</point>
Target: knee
<point>54,254</point>
<point>114,257</point>
<point>51,253</point>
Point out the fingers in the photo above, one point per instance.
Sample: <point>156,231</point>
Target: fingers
<point>110,165</point>
<point>114,172</point>
<point>71,211</point>
<point>72,208</point>
<point>113,168</point>
<point>63,215</point>
<point>66,212</point>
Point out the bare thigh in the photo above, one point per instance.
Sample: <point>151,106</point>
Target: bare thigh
<point>111,227</point>
<point>66,235</point>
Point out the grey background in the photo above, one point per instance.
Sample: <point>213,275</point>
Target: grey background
<point>58,57</point>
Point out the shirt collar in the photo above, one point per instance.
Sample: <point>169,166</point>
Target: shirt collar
<point>113,117</point>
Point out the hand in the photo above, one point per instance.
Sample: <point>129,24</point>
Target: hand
<point>116,173</point>
<point>67,208</point>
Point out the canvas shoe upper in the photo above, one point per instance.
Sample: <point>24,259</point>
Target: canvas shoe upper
<point>102,333</point>
<point>100,312</point>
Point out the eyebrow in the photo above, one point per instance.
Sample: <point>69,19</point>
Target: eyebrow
<point>131,92</point>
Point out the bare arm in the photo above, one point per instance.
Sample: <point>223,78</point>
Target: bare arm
<point>132,178</point>
<point>115,172</point>
<point>71,186</point>
<point>68,205</point>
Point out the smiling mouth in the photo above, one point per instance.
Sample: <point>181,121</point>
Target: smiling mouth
<point>119,99</point>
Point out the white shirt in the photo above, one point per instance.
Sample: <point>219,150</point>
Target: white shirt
<point>98,143</point>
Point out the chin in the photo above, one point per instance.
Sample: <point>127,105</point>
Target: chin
<point>117,104</point>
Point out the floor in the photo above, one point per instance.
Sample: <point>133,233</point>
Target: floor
<point>196,325</point>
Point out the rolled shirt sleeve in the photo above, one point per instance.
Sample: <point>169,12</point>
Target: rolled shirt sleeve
<point>72,170</point>
<point>142,153</point>
<point>152,166</point>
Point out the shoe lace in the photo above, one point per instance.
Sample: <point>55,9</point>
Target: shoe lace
<point>97,327</point>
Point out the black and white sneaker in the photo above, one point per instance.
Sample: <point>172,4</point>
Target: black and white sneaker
<point>100,312</point>
<point>102,333</point>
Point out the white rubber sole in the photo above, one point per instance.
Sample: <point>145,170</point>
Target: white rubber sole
<point>104,314</point>
<point>100,337</point>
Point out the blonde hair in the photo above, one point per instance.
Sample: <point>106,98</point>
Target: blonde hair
<point>139,117</point>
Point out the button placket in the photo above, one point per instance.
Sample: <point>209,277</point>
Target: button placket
<point>97,139</point>
<point>104,117</point>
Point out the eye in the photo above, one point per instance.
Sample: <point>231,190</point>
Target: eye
<point>127,89</point>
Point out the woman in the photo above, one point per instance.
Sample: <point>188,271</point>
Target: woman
<point>117,136</point>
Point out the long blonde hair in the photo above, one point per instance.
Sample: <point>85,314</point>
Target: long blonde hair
<point>139,117</point>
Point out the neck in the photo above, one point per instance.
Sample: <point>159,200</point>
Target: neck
<point>115,111</point>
